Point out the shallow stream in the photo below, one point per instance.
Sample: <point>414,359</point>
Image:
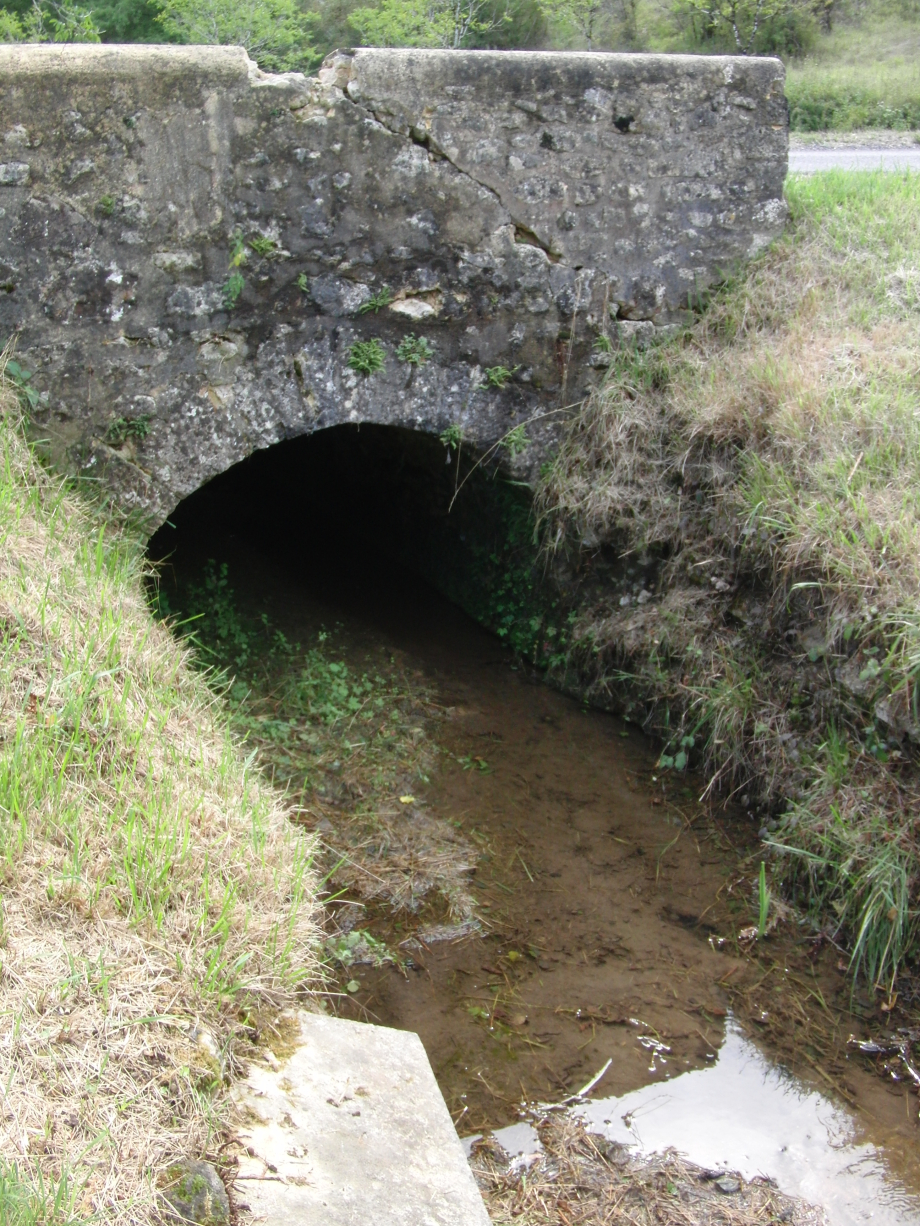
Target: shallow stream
<point>609,903</point>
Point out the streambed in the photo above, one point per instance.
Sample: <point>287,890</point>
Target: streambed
<point>605,903</point>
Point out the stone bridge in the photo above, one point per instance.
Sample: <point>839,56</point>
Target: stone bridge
<point>191,249</point>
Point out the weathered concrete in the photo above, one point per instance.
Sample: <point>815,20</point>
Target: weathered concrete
<point>515,205</point>
<point>351,1130</point>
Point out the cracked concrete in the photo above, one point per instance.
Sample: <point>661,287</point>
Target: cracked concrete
<point>191,248</point>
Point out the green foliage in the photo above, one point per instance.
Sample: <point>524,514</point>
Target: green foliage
<point>215,621</point>
<point>128,21</point>
<point>452,437</point>
<point>233,288</point>
<point>736,23</point>
<point>415,350</point>
<point>516,441</point>
<point>678,759</point>
<point>238,252</point>
<point>21,378</point>
<point>35,1201</point>
<point>276,33</point>
<point>106,205</point>
<point>366,357</point>
<point>819,106</point>
<point>49,21</point>
<point>498,376</point>
<point>303,283</point>
<point>377,301</point>
<point>426,23</point>
<point>124,428</point>
<point>263,246</point>
<point>357,947</point>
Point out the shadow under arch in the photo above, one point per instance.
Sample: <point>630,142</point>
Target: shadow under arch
<point>357,515</point>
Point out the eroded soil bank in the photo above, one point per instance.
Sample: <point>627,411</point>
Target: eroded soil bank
<point>602,908</point>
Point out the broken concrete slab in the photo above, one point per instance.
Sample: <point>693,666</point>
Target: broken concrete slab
<point>349,1130</point>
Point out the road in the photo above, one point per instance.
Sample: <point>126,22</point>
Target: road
<point>808,161</point>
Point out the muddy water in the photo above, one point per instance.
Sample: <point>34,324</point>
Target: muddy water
<point>601,894</point>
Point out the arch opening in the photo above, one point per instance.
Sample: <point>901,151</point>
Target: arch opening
<point>381,522</point>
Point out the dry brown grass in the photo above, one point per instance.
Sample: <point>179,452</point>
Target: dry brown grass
<point>581,1179</point>
<point>153,892</point>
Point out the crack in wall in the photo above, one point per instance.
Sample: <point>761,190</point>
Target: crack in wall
<point>523,232</point>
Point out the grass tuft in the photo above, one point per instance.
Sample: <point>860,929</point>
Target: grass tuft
<point>154,893</point>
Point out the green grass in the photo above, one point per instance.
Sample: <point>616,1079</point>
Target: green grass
<point>152,888</point>
<point>762,475</point>
<point>864,75</point>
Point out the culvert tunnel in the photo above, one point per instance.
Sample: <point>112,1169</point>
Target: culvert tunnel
<point>388,525</point>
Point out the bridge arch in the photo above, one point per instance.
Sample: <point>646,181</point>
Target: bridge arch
<point>194,253</point>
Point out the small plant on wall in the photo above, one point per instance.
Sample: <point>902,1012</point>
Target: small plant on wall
<point>415,350</point>
<point>498,376</point>
<point>366,357</point>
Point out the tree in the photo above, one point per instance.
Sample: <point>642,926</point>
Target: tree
<point>276,33</point>
<point>425,23</point>
<point>740,20</point>
<point>53,21</point>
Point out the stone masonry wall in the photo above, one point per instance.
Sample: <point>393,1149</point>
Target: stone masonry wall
<point>189,247</point>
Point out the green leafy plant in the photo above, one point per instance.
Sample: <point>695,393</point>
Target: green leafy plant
<point>452,437</point>
<point>678,761</point>
<point>415,350</point>
<point>366,357</point>
<point>21,380</point>
<point>516,441</point>
<point>233,288</point>
<point>303,283</point>
<point>602,343</point>
<point>124,428</point>
<point>498,376</point>
<point>377,301</point>
<point>357,947</point>
<point>238,253</point>
<point>106,205</point>
<point>263,246</point>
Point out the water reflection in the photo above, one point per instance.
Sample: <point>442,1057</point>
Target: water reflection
<point>746,1114</point>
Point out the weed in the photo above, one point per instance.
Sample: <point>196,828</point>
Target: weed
<point>498,376</point>
<point>415,350</point>
<point>602,343</point>
<point>452,437</point>
<point>356,948</point>
<point>303,282</point>
<point>516,440</point>
<point>106,205</point>
<point>366,357</point>
<point>262,246</point>
<point>21,378</point>
<point>377,301</point>
<point>233,288</point>
<point>123,428</point>
<point>238,253</point>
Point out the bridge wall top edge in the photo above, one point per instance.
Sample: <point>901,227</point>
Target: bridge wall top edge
<point>233,63</point>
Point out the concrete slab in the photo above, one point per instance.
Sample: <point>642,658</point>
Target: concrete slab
<point>352,1130</point>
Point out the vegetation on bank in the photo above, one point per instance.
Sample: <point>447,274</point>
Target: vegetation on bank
<point>754,489</point>
<point>157,906</point>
